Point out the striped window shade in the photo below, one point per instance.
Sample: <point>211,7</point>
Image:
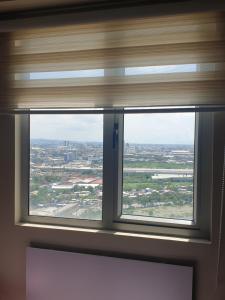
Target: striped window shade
<point>167,60</point>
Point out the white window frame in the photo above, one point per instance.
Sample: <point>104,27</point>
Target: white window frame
<point>112,179</point>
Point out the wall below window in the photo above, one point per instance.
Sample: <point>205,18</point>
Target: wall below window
<point>15,238</point>
<point>64,275</point>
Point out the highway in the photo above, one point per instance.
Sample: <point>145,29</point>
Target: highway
<point>126,170</point>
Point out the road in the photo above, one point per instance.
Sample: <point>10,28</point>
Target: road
<point>126,170</point>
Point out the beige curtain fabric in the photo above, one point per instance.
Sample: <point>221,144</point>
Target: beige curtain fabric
<point>173,60</point>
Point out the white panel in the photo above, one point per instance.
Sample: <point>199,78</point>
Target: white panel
<point>58,275</point>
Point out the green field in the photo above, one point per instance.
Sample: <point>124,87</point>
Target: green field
<point>177,212</point>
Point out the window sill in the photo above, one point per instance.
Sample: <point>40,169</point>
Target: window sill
<point>114,233</point>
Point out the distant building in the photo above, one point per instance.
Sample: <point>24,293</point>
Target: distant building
<point>68,187</point>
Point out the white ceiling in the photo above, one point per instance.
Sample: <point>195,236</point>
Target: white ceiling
<point>18,5</point>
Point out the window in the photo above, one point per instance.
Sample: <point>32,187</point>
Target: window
<point>158,166</point>
<point>139,170</point>
<point>150,169</point>
<point>66,158</point>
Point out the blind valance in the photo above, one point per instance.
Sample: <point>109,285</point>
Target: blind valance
<point>169,60</point>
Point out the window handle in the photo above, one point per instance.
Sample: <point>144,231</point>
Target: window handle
<point>115,134</point>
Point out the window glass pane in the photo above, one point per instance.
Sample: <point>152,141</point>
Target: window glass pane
<point>66,156</point>
<point>158,165</point>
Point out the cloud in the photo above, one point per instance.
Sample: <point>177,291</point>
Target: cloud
<point>67,127</point>
<point>164,128</point>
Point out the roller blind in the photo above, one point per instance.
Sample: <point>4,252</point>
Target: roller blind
<point>170,60</point>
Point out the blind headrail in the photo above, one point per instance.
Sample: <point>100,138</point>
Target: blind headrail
<point>153,110</point>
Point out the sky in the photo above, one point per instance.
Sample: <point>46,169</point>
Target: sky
<point>129,71</point>
<point>164,128</point>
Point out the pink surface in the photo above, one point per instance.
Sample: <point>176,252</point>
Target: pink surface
<point>58,275</point>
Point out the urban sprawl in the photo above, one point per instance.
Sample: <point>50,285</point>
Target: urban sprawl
<point>66,180</point>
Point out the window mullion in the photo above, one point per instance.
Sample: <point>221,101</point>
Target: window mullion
<point>118,167</point>
<point>108,171</point>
